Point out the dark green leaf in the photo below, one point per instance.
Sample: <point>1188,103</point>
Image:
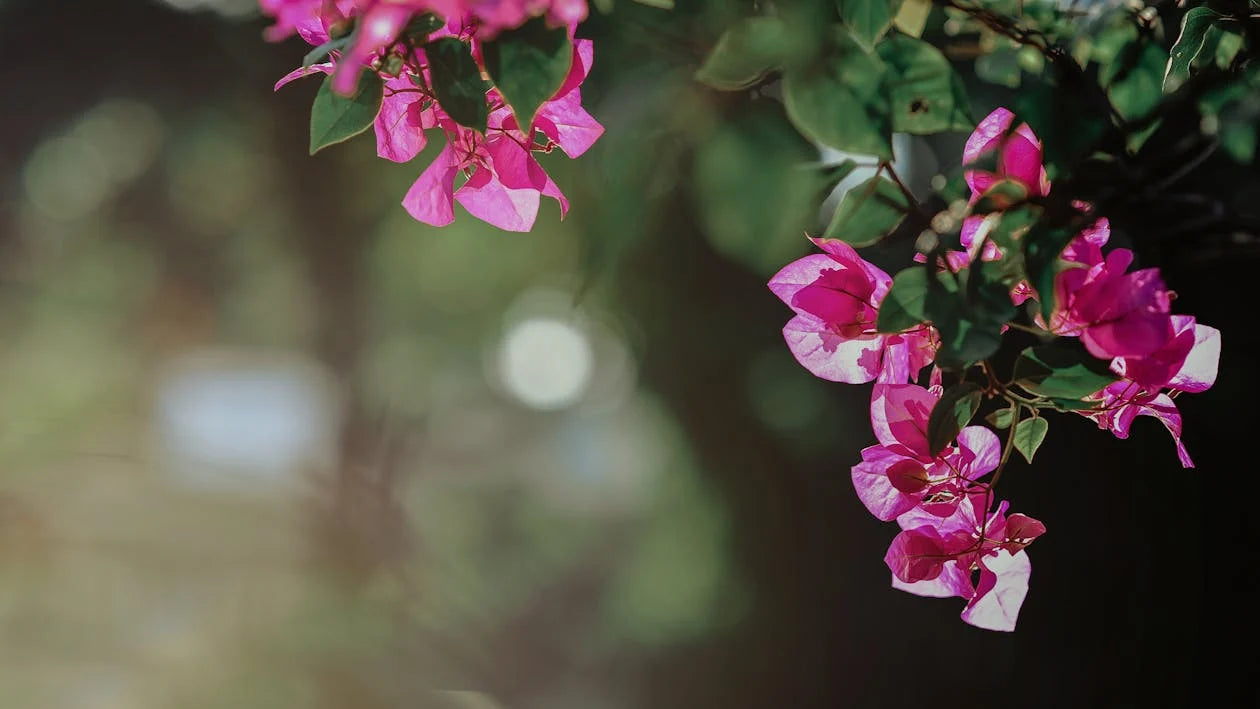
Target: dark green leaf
<point>457,82</point>
<point>745,53</point>
<point>755,192</point>
<point>1042,247</point>
<point>954,411</point>
<point>927,94</point>
<point>1135,79</point>
<point>319,53</point>
<point>904,308</point>
<point>1002,195</point>
<point>335,118</point>
<point>868,212</point>
<point>1001,418</point>
<point>1194,30</point>
<point>839,101</point>
<point>1000,67</point>
<point>868,19</point>
<point>528,65</point>
<point>1029,434</point>
<point>834,174</point>
<point>969,315</point>
<point>422,26</point>
<point>1062,369</point>
<point>1072,404</point>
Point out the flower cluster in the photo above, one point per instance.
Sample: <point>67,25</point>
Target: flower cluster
<point>502,181</point>
<point>957,538</point>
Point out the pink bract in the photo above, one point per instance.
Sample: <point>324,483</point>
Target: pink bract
<point>1116,314</point>
<point>936,557</point>
<point>901,474</point>
<point>836,297</point>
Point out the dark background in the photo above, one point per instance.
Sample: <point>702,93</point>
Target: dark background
<point>1143,590</point>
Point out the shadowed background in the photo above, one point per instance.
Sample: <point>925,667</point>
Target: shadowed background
<point>267,442</point>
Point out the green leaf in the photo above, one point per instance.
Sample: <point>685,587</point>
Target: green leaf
<point>1000,196</point>
<point>422,26</point>
<point>1042,247</point>
<point>336,118</point>
<point>1238,140</point>
<point>913,17</point>
<point>528,65</point>
<point>1194,30</point>
<point>1062,370</point>
<point>1029,434</point>
<point>969,314</point>
<point>868,19</point>
<point>1000,67</point>
<point>745,53</point>
<point>927,94</point>
<point>952,412</point>
<point>1227,47</point>
<point>839,101</point>
<point>1072,404</point>
<point>318,54</point>
<point>1001,418</point>
<point>904,307</point>
<point>868,212</point>
<point>755,191</point>
<point>457,82</point>
<point>1134,81</point>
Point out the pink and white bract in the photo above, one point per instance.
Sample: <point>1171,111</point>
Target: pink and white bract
<point>836,297</point>
<point>956,537</point>
<point>503,180</point>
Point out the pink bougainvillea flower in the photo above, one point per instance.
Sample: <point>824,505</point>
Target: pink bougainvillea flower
<point>308,18</point>
<point>836,297</point>
<point>1187,363</point>
<point>377,28</point>
<point>404,116</point>
<point>936,557</point>
<point>505,182</point>
<point>1018,159</point>
<point>1116,314</point>
<point>1123,401</point>
<point>900,473</point>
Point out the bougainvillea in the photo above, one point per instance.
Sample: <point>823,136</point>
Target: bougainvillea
<point>1016,246</point>
<point>499,81</point>
<point>932,472</point>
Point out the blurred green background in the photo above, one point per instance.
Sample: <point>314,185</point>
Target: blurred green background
<point>266,442</point>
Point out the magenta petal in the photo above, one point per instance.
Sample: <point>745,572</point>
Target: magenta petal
<point>1157,369</point>
<point>915,555</point>
<point>796,275</point>
<point>1021,160</point>
<point>486,198</point>
<point>430,199</point>
<point>1163,408</point>
<point>829,356</point>
<point>302,71</point>
<point>568,124</point>
<point>397,139</point>
<point>583,58</point>
<point>1198,373</point>
<point>953,581</point>
<point>875,489</point>
<point>988,133</point>
<point>899,416</point>
<point>984,448</point>
<point>1001,591</point>
<point>377,28</point>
